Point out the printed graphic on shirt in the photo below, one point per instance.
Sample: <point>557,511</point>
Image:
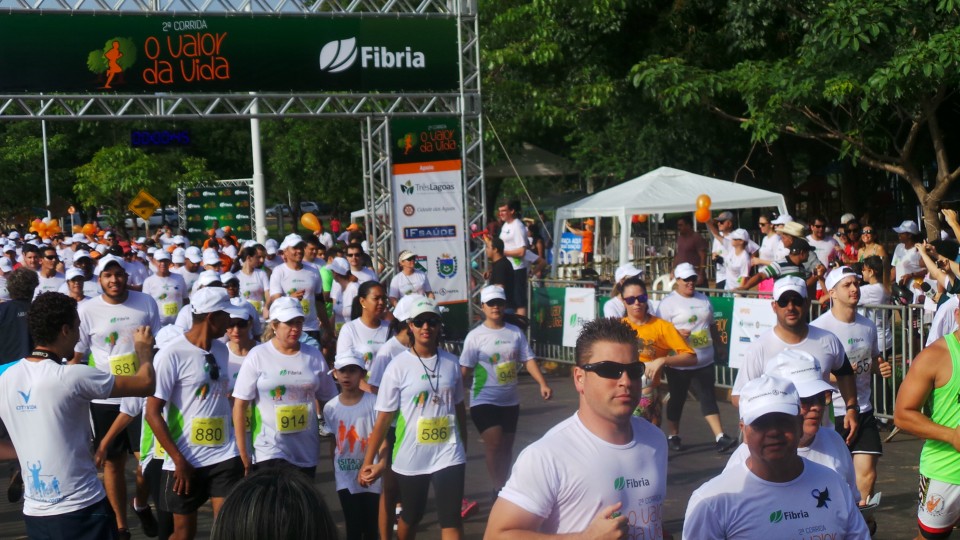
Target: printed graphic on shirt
<point>41,487</point>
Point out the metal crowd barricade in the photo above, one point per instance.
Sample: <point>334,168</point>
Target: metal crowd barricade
<point>906,323</point>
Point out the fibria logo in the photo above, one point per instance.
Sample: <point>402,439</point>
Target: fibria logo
<point>341,55</point>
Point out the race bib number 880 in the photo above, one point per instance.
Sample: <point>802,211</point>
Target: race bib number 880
<point>207,432</point>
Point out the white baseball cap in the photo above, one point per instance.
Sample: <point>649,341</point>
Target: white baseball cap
<point>847,218</point>
<point>271,246</point>
<point>179,240</point>
<point>193,253</point>
<point>230,251</point>
<point>72,273</point>
<point>292,240</point>
<point>208,277</point>
<point>406,254</point>
<point>800,368</point>
<point>178,256</point>
<point>13,247</point>
<point>339,265</point>
<point>67,241</point>
<point>161,255</point>
<point>492,292</point>
<point>768,394</point>
<point>107,260</point>
<point>140,240</point>
<point>211,257</point>
<point>285,309</point>
<point>101,249</point>
<point>907,227</point>
<point>227,276</point>
<point>401,311</point>
<point>684,271</point>
<point>210,300</point>
<point>739,234</point>
<point>783,219</point>
<point>625,271</point>
<point>6,265</point>
<point>789,283</point>
<point>837,275</point>
<point>423,305</point>
<point>81,254</point>
<point>167,334</point>
<point>348,357</point>
<point>14,235</point>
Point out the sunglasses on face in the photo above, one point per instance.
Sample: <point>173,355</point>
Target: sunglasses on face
<point>497,303</point>
<point>214,368</point>
<point>817,225</point>
<point>785,301</point>
<point>867,231</point>
<point>51,257</point>
<point>690,279</point>
<point>818,399</point>
<point>432,322</point>
<point>614,370</point>
<point>239,323</point>
<point>631,300</point>
<point>353,255</point>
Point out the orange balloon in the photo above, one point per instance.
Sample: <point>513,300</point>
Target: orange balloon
<point>703,201</point>
<point>310,221</point>
<point>642,218</point>
<point>702,214</point>
<point>89,229</point>
<point>77,229</point>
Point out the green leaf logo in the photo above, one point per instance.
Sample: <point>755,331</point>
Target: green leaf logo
<point>776,517</point>
<point>618,483</point>
<point>573,322</point>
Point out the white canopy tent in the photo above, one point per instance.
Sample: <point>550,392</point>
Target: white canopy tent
<point>661,191</point>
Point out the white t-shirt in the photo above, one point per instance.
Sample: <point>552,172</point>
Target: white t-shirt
<point>106,331</point>
<point>859,340</point>
<point>134,407</point>
<point>570,474</point>
<point>4,293</point>
<point>326,239</point>
<point>426,392</point>
<point>91,288</point>
<point>283,389</point>
<point>136,272</point>
<point>737,268</point>
<point>352,425</point>
<point>286,280</point>
<point>189,278</point>
<point>384,356</point>
<point>402,284</point>
<point>45,407</point>
<point>874,295</point>
<point>720,249</point>
<point>614,309</point>
<point>514,236</point>
<point>943,322</point>
<point>737,504</point>
<point>197,410</point>
<point>169,293</point>
<point>696,315</point>
<point>823,345</point>
<point>906,261</point>
<point>823,248</point>
<point>270,264</point>
<point>343,301</point>
<point>49,284</point>
<point>828,449</point>
<point>254,288</point>
<point>364,274</point>
<point>769,248</point>
<point>364,340</point>
<point>495,355</point>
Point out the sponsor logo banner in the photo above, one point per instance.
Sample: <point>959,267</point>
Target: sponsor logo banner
<point>578,309</point>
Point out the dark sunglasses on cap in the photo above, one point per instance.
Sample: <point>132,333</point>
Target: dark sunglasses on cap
<point>212,364</point>
<point>630,300</point>
<point>614,370</point>
<point>794,299</point>
<point>432,322</point>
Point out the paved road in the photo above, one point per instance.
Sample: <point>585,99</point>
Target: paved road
<point>687,470</point>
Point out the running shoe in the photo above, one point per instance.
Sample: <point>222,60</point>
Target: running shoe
<point>674,442</point>
<point>322,427</point>
<point>147,521</point>
<point>725,443</point>
<point>468,508</point>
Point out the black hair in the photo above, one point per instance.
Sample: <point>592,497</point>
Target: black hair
<point>362,292</point>
<point>45,248</point>
<point>48,313</point>
<point>247,252</point>
<point>21,283</point>
<point>946,248</point>
<point>312,240</point>
<point>280,504</point>
<point>635,280</point>
<point>29,248</point>
<point>497,244</point>
<point>515,206</point>
<point>604,329</point>
<point>874,263</point>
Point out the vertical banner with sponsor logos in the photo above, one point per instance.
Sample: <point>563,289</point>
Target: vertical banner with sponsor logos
<point>578,309</point>
<point>751,317</point>
<point>228,205</point>
<point>428,202</point>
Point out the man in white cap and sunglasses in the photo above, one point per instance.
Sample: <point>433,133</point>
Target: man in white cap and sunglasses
<point>858,335</point>
<point>791,306</point>
<point>774,493</point>
<point>598,471</point>
<point>190,414</point>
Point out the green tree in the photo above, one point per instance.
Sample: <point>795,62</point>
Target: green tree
<point>871,80</point>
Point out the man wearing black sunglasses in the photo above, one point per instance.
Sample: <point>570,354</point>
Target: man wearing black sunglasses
<point>192,385</point>
<point>792,331</point>
<point>50,279</point>
<point>552,490</point>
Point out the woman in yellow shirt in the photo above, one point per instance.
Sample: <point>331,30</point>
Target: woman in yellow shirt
<point>660,345</point>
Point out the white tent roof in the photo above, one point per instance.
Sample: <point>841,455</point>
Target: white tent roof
<point>663,191</point>
<point>667,190</point>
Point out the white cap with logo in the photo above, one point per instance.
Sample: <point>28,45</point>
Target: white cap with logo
<point>837,275</point>
<point>768,394</point>
<point>210,300</point>
<point>787,284</point>
<point>802,369</point>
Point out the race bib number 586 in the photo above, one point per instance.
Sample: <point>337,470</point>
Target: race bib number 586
<point>437,430</point>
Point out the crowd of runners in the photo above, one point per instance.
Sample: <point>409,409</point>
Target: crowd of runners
<point>222,367</point>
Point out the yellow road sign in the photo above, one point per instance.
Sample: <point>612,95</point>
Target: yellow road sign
<point>144,204</point>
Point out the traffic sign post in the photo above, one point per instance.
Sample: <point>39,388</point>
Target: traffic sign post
<point>144,205</point>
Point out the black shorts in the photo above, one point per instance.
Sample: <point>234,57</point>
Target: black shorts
<point>276,464</point>
<point>95,522</point>
<point>103,415</point>
<point>520,287</point>
<point>211,481</point>
<point>867,440</point>
<point>391,443</point>
<point>488,416</point>
<point>447,492</point>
